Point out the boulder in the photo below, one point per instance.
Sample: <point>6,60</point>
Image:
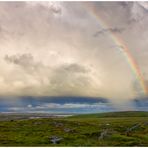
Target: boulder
<point>58,124</point>
<point>68,130</point>
<point>129,130</point>
<point>103,134</point>
<point>106,133</point>
<point>55,139</point>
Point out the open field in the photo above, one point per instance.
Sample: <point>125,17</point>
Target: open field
<point>105,129</point>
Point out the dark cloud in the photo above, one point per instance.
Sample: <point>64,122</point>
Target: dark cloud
<point>117,46</point>
<point>113,30</point>
<point>69,78</point>
<point>26,61</point>
<point>74,68</point>
<point>55,104</point>
<point>141,103</point>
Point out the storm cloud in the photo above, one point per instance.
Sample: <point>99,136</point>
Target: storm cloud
<point>47,49</point>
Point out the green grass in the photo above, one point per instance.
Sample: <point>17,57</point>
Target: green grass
<point>86,130</point>
<point>114,114</point>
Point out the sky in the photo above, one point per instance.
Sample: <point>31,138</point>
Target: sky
<point>78,52</point>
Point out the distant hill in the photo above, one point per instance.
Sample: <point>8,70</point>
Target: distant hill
<point>113,114</point>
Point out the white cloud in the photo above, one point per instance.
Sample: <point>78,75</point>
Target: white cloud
<point>29,106</point>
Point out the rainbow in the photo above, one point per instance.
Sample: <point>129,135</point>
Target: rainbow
<point>125,51</point>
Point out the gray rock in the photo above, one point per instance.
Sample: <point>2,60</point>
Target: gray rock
<point>106,133</point>
<point>145,123</point>
<point>58,124</point>
<point>103,135</point>
<point>37,123</point>
<point>55,139</point>
<point>68,130</point>
<point>129,130</point>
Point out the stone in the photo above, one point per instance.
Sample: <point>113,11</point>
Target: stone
<point>68,130</point>
<point>37,123</point>
<point>103,135</point>
<point>145,123</point>
<point>129,130</point>
<point>55,139</point>
<point>58,124</point>
<point>106,133</point>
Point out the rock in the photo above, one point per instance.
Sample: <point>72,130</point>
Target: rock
<point>103,135</point>
<point>37,123</point>
<point>58,124</point>
<point>55,139</point>
<point>145,123</point>
<point>68,130</point>
<point>134,127</point>
<point>129,130</point>
<point>106,133</point>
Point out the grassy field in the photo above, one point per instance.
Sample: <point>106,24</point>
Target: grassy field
<point>105,129</point>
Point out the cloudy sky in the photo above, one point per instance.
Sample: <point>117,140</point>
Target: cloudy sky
<point>73,49</point>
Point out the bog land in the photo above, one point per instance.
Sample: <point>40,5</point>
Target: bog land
<point>128,128</point>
